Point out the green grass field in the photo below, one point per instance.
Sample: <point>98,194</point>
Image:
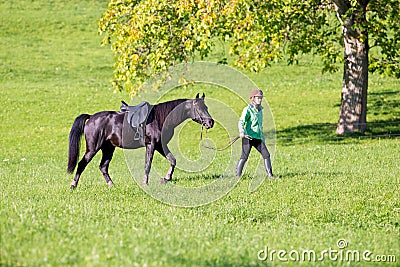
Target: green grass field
<point>332,189</point>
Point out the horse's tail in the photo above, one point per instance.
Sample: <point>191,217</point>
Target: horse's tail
<point>75,140</point>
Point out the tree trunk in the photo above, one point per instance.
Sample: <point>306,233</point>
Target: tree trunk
<point>353,110</point>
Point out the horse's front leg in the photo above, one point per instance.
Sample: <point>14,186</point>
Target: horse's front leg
<point>149,159</point>
<point>172,160</point>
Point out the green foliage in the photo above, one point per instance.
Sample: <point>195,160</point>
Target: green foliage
<point>384,31</point>
<point>52,69</point>
<point>149,36</point>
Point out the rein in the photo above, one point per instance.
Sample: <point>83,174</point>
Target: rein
<point>215,148</point>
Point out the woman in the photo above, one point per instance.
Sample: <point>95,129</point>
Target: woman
<point>251,132</point>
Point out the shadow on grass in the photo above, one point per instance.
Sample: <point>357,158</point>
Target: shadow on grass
<point>304,174</point>
<point>383,123</point>
<point>310,174</point>
<point>197,177</point>
<point>325,133</point>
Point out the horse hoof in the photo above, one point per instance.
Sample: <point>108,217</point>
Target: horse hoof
<point>73,187</point>
<point>163,181</point>
<point>110,183</point>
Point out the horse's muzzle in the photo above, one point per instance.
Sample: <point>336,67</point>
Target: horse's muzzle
<point>208,123</point>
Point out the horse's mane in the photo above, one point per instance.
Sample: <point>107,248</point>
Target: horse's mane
<point>162,110</point>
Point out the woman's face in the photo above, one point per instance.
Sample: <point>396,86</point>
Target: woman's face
<point>257,100</point>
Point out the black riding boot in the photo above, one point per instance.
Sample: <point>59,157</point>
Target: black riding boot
<point>268,168</point>
<point>239,167</point>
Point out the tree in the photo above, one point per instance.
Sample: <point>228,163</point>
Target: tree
<point>149,36</point>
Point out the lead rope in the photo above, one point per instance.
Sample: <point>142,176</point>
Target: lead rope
<point>215,148</point>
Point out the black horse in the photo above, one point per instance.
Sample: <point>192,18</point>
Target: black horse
<point>106,130</point>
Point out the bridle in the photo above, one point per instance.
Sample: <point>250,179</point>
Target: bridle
<point>197,116</point>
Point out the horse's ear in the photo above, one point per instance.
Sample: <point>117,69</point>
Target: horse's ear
<point>197,96</point>
<point>203,96</point>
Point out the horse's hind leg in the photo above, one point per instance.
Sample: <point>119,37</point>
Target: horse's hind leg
<point>108,151</point>
<point>81,167</point>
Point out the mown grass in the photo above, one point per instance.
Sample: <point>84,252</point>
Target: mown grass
<point>53,69</point>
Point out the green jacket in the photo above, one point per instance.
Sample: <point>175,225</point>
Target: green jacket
<point>251,122</point>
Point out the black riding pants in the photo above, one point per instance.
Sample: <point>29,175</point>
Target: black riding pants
<point>257,144</point>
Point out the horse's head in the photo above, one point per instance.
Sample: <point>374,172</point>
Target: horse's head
<point>200,112</point>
